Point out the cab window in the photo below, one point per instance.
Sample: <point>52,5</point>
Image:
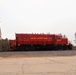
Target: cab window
<point>58,37</point>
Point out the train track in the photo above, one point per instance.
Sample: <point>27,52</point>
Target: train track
<point>38,53</point>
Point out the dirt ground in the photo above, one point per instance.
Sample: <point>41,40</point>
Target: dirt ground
<point>44,65</point>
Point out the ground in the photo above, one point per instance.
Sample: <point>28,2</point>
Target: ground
<point>28,63</point>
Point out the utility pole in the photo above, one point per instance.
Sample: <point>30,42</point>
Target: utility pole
<point>75,38</point>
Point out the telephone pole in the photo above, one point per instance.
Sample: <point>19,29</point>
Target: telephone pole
<point>75,38</point>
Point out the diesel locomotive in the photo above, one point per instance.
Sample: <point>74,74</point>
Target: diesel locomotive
<point>25,41</point>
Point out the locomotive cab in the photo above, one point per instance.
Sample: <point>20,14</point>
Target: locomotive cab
<point>58,42</point>
<point>61,42</point>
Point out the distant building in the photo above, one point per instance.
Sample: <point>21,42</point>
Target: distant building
<point>0,34</point>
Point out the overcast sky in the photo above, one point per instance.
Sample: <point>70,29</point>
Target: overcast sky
<point>38,16</point>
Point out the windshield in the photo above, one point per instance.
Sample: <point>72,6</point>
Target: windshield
<point>58,36</point>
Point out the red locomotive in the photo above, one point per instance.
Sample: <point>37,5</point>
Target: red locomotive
<point>41,42</point>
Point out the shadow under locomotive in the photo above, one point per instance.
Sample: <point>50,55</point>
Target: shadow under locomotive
<point>38,53</point>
